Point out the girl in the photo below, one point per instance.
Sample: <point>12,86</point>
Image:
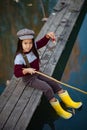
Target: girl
<point>28,47</point>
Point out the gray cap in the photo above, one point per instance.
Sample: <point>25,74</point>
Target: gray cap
<point>25,34</point>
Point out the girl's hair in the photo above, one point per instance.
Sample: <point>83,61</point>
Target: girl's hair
<point>20,49</point>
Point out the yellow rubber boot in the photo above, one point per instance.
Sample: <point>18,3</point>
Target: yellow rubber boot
<point>68,101</point>
<point>60,111</point>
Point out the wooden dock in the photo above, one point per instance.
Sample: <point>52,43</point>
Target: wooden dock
<point>18,102</point>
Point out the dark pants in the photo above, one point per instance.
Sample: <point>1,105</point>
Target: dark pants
<point>49,87</point>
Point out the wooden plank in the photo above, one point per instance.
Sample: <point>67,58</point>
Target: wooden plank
<point>8,92</point>
<point>50,25</point>
<point>48,66</point>
<point>53,27</point>
<point>11,103</point>
<point>47,27</point>
<point>27,113</point>
<point>61,5</point>
<point>75,5</point>
<point>50,48</point>
<point>19,108</point>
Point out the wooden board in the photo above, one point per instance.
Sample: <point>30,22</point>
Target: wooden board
<point>17,100</point>
<point>62,24</point>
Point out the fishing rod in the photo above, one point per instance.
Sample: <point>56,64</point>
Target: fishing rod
<point>67,85</point>
<point>57,81</point>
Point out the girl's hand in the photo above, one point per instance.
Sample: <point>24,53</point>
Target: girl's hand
<point>51,35</point>
<point>28,70</point>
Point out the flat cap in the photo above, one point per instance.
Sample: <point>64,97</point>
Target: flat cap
<point>25,34</point>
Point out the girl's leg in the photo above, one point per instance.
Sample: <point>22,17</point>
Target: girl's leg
<point>42,85</point>
<point>48,92</point>
<point>55,86</point>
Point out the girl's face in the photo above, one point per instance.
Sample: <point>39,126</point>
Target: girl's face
<point>27,45</point>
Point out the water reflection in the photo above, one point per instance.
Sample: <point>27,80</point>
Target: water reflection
<point>77,65</point>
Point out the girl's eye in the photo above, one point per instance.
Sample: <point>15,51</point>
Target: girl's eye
<point>30,43</point>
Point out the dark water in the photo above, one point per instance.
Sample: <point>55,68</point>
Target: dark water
<point>14,16</point>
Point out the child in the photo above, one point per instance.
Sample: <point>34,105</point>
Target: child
<point>28,47</point>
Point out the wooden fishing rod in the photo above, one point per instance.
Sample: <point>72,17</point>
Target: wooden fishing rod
<point>67,85</point>
<point>47,76</point>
